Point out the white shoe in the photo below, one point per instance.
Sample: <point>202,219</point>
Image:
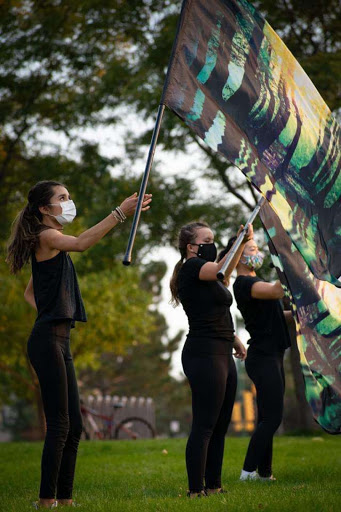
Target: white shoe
<point>37,505</point>
<point>249,475</point>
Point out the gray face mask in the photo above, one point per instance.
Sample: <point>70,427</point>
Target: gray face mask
<point>254,262</point>
<point>68,212</point>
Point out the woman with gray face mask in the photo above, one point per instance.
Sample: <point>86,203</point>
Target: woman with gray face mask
<point>54,293</point>
<point>259,304</point>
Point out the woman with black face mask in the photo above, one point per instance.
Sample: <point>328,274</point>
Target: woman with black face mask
<point>207,355</point>
<point>54,293</point>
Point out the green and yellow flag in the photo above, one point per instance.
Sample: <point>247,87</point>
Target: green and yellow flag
<point>235,83</point>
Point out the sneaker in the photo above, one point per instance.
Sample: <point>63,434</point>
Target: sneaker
<point>249,475</point>
<point>37,505</point>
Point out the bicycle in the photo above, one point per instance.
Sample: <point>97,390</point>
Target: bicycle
<point>106,427</point>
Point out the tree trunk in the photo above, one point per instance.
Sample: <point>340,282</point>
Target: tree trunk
<point>304,416</point>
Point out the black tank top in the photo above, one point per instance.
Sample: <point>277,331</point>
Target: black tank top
<point>56,289</point>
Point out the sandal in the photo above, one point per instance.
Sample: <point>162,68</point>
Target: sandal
<point>200,494</point>
<point>218,490</point>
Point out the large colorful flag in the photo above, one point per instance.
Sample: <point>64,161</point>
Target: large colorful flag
<point>316,307</point>
<point>234,82</point>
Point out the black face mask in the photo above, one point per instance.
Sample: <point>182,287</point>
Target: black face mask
<point>207,252</point>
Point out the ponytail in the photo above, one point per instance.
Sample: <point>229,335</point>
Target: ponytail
<point>23,240</point>
<point>28,225</point>
<point>187,235</point>
<point>174,283</point>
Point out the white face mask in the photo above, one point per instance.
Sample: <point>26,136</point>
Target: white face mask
<point>68,212</point>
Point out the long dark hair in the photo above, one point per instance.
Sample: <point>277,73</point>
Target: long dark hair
<point>28,225</point>
<point>187,235</point>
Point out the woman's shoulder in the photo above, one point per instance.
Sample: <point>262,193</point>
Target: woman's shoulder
<point>242,287</point>
<point>244,279</point>
<point>194,261</point>
<point>191,267</point>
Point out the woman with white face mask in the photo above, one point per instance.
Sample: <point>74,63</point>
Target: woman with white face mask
<point>54,293</point>
<point>259,304</point>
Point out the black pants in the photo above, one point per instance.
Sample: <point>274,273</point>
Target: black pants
<point>213,381</point>
<point>267,374</point>
<point>49,352</point>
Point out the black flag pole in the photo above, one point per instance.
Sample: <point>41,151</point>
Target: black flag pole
<point>221,273</point>
<point>149,163</point>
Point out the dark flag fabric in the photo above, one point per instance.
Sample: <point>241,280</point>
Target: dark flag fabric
<point>316,306</point>
<point>237,86</point>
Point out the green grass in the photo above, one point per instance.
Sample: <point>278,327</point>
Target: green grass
<point>136,476</point>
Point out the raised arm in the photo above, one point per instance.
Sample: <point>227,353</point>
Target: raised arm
<point>208,272</point>
<point>54,239</point>
<point>29,294</point>
<point>261,290</point>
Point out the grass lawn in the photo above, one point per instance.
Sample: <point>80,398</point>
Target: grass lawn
<point>137,476</point>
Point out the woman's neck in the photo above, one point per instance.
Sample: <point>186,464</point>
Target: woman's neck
<point>51,223</point>
<point>246,272</point>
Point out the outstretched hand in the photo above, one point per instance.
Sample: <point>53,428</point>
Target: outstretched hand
<point>248,235</point>
<point>129,204</point>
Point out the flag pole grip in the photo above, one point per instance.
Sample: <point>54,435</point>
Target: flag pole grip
<point>149,163</point>
<point>232,252</point>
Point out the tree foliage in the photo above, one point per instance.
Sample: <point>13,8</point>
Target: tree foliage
<point>68,65</point>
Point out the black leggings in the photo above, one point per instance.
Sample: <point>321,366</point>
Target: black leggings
<point>267,374</point>
<point>49,352</point>
<point>213,381</point>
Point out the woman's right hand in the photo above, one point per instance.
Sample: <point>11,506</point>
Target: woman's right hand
<point>129,205</point>
<point>248,235</point>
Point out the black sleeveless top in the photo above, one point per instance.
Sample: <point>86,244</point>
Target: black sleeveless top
<point>56,289</point>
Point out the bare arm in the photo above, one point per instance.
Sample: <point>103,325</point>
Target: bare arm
<point>209,270</point>
<point>54,239</point>
<point>261,290</point>
<point>29,294</point>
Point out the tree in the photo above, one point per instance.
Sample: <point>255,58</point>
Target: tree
<point>311,30</point>
<point>143,369</point>
<point>118,314</point>
<point>116,295</point>
<point>69,65</point>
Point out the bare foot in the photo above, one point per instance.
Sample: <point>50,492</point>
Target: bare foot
<point>219,490</point>
<point>196,494</point>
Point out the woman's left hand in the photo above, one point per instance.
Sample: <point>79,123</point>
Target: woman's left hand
<point>248,235</point>
<point>239,349</point>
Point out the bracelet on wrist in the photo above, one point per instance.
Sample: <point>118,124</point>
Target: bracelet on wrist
<point>116,216</point>
<point>119,210</point>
